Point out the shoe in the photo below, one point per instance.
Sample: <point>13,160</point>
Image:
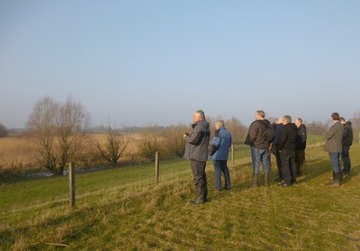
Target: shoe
<point>286,185</point>
<point>196,201</point>
<point>334,184</point>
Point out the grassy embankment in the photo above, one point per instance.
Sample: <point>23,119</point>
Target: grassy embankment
<point>123,209</point>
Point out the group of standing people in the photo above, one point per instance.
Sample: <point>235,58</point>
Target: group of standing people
<point>284,139</point>
<point>339,138</point>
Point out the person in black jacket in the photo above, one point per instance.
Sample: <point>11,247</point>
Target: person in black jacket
<point>300,148</point>
<point>275,147</point>
<point>287,143</point>
<point>347,141</point>
<point>259,145</point>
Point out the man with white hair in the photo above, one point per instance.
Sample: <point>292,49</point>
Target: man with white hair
<point>221,144</point>
<point>196,150</point>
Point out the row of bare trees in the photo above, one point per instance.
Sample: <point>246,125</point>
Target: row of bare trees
<point>59,133</point>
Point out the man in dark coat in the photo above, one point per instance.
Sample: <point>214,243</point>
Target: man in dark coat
<point>300,147</point>
<point>259,146</point>
<point>346,143</point>
<point>278,126</point>
<point>196,150</point>
<point>287,151</point>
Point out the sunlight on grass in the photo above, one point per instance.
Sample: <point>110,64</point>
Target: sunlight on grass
<point>123,209</point>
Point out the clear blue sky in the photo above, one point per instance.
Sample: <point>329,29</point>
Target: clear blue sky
<point>139,62</point>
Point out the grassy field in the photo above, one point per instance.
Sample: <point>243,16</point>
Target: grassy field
<point>123,209</point>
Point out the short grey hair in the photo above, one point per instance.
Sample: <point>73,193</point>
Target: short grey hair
<point>287,118</point>
<point>201,114</point>
<point>220,123</point>
<point>261,113</point>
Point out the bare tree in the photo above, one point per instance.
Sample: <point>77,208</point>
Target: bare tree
<point>148,147</point>
<point>174,144</point>
<point>42,127</point>
<point>237,129</point>
<point>316,128</point>
<point>52,121</point>
<point>71,124</point>
<point>115,146</point>
<point>3,131</point>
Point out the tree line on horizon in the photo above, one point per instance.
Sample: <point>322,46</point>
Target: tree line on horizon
<point>59,135</point>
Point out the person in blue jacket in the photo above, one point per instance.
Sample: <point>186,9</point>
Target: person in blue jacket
<point>219,153</point>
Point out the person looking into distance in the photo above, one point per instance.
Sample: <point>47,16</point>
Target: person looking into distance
<point>196,151</point>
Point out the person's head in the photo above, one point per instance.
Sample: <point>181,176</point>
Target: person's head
<point>219,124</point>
<point>259,114</point>
<point>298,122</point>
<point>198,115</point>
<point>335,116</point>
<point>286,119</point>
<point>278,121</point>
<point>342,120</point>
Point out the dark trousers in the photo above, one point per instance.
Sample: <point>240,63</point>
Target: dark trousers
<point>199,175</point>
<point>300,162</point>
<point>345,157</point>
<point>288,166</point>
<point>275,151</point>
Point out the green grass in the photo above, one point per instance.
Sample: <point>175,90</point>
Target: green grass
<point>123,209</point>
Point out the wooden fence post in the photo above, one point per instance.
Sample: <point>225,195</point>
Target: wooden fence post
<point>157,167</point>
<point>72,184</point>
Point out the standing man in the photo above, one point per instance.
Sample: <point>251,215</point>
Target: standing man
<point>259,146</point>
<point>275,148</point>
<point>300,148</point>
<point>221,144</point>
<point>333,146</point>
<point>196,150</point>
<point>346,143</point>
<point>287,143</point>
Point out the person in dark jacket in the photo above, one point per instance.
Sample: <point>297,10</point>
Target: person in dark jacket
<point>333,146</point>
<point>300,147</point>
<point>259,146</point>
<point>287,144</point>
<point>347,141</point>
<point>278,126</point>
<point>221,144</point>
<point>196,150</point>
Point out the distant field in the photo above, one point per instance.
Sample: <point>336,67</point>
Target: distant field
<point>123,209</point>
<point>16,153</point>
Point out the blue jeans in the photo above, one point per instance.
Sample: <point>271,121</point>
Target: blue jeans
<point>221,166</point>
<point>335,162</point>
<point>260,156</point>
